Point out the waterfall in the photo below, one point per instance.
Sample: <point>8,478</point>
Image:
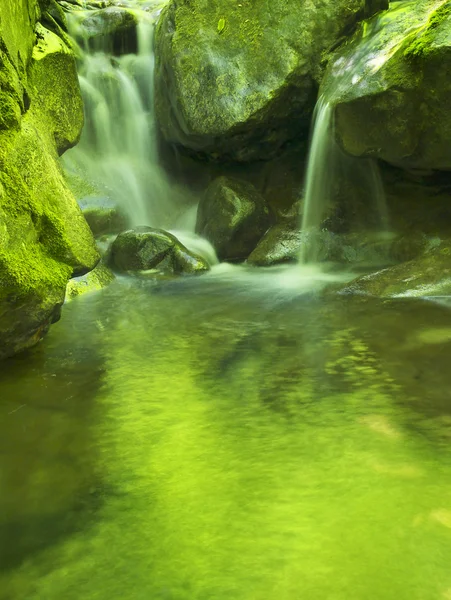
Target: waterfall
<point>328,167</point>
<point>118,153</point>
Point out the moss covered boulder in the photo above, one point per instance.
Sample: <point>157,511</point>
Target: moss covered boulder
<point>232,215</point>
<point>146,249</point>
<point>391,86</point>
<point>238,79</point>
<point>44,239</point>
<point>425,276</point>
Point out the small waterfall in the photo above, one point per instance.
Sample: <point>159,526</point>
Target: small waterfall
<point>328,167</point>
<point>319,179</point>
<point>117,153</point>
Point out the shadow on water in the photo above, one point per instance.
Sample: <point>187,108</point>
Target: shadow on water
<point>50,486</point>
<point>228,437</point>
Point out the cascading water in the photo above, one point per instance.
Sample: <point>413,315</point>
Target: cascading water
<point>327,163</point>
<point>118,150</point>
<point>327,166</point>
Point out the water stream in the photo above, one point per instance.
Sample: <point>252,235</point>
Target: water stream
<point>118,151</point>
<point>209,440</point>
<point>235,436</point>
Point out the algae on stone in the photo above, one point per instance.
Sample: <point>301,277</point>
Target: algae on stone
<point>245,91</point>
<point>391,85</point>
<point>44,237</point>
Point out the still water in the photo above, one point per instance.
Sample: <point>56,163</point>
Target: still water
<point>211,440</point>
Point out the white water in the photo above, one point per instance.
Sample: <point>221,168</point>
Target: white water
<point>118,151</point>
<point>328,165</point>
<point>328,168</point>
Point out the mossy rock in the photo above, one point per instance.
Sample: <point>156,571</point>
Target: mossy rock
<point>281,243</point>
<point>238,80</point>
<point>233,216</point>
<point>44,239</point>
<point>146,249</point>
<point>103,215</point>
<point>425,276</point>
<point>95,280</point>
<point>391,84</point>
<point>113,29</point>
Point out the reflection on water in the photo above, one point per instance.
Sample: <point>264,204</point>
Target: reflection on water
<point>195,440</point>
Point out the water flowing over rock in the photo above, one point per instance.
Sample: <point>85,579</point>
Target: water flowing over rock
<point>391,85</point>
<point>118,154</point>
<point>44,239</point>
<point>233,216</point>
<point>238,80</point>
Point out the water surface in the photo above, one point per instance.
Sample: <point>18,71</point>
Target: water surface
<point>215,439</point>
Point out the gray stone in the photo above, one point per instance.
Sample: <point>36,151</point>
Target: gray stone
<point>233,216</point>
<point>146,248</point>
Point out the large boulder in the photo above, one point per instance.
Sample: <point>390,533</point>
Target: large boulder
<point>232,215</point>
<point>391,85</point>
<point>237,80</point>
<point>44,239</point>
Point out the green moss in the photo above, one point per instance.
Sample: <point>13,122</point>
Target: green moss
<point>421,43</point>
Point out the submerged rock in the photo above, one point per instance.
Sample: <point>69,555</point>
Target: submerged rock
<point>44,239</point>
<point>146,248</point>
<point>391,86</point>
<point>103,214</point>
<point>233,216</point>
<point>428,275</point>
<point>237,80</point>
<point>95,280</point>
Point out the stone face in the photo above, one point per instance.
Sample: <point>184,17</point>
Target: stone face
<point>281,243</point>
<point>112,28</point>
<point>44,239</point>
<point>233,216</point>
<point>391,86</point>
<point>237,80</point>
<point>103,215</point>
<point>428,275</point>
<point>146,248</point>
<point>55,87</point>
<point>95,280</point>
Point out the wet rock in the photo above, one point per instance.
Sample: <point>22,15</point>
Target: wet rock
<point>97,279</point>
<point>428,275</point>
<point>249,82</point>
<point>146,248</point>
<point>233,216</point>
<point>397,105</point>
<point>103,214</point>
<point>281,243</point>
<point>111,29</point>
<point>44,239</point>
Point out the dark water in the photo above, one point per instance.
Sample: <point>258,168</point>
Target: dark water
<point>216,439</point>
